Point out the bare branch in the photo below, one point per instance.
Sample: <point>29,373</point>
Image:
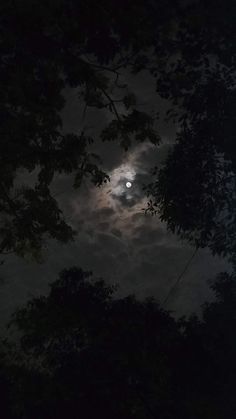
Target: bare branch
<point>112,103</point>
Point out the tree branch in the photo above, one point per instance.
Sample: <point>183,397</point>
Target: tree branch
<point>111,101</point>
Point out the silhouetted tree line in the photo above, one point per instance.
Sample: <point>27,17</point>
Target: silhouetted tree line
<point>81,353</point>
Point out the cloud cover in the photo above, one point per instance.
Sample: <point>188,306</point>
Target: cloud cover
<point>115,238</point>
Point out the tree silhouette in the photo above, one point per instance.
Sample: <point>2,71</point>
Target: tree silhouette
<point>195,190</point>
<point>211,353</point>
<point>90,354</point>
<point>82,352</point>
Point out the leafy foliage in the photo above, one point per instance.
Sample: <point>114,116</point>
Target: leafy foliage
<point>136,124</point>
<point>195,190</point>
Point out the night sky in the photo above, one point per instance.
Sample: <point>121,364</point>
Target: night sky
<point>115,239</point>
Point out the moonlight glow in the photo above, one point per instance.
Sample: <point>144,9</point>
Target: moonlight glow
<point>128,184</point>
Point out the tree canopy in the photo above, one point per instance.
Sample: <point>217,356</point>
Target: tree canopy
<point>82,352</point>
<point>194,192</point>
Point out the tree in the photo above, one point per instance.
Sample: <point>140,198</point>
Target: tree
<point>195,191</point>
<point>82,352</point>
<point>210,361</point>
<point>53,45</point>
<point>85,353</point>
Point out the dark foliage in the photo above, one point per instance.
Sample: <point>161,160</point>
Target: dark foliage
<point>83,353</point>
<point>195,190</point>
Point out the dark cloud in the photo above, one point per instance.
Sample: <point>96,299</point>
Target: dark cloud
<point>104,226</point>
<point>144,235</point>
<point>109,243</point>
<point>106,212</point>
<point>116,232</point>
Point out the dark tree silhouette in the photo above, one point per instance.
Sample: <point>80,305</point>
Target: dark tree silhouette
<point>90,354</point>
<point>80,352</point>
<point>195,190</point>
<point>211,347</point>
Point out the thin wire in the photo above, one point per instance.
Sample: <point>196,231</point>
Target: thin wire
<point>175,285</point>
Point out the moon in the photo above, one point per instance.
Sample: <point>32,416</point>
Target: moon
<point>128,184</point>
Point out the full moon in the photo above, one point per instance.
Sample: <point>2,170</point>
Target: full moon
<point>128,184</point>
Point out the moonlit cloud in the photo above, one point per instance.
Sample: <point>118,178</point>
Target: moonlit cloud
<point>119,176</point>
<point>115,194</point>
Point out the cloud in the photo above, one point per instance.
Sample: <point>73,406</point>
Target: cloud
<point>115,239</point>
<point>109,243</point>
